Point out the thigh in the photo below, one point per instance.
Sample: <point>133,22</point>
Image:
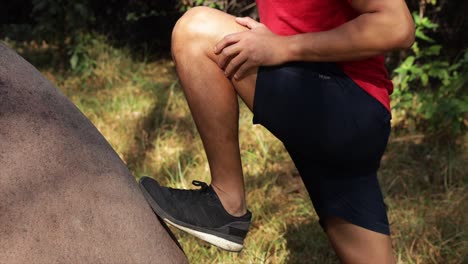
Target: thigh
<point>245,88</point>
<point>321,114</point>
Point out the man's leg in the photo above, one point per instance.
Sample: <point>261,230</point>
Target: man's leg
<point>212,98</point>
<point>215,213</point>
<point>354,244</point>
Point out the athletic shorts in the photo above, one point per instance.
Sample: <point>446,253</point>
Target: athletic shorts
<point>335,133</point>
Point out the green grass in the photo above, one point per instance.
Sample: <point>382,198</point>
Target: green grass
<point>140,109</point>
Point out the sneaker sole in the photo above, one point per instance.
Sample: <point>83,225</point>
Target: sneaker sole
<point>193,230</point>
<point>212,239</point>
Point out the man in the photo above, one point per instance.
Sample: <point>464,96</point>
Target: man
<point>315,69</point>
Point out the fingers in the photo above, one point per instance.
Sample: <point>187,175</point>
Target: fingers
<point>234,62</point>
<point>232,70</point>
<point>227,49</point>
<point>233,58</point>
<point>248,22</point>
<point>226,41</point>
<point>226,55</point>
<point>230,59</point>
<point>243,70</point>
<point>233,38</point>
<point>238,66</point>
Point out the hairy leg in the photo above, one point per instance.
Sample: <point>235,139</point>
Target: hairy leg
<point>354,244</point>
<point>212,98</point>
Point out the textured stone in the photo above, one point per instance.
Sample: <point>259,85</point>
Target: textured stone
<point>65,195</point>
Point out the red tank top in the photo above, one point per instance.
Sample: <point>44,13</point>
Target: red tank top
<point>302,16</point>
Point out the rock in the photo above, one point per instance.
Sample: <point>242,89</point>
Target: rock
<point>65,195</point>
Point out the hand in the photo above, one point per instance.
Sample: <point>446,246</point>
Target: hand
<point>240,52</point>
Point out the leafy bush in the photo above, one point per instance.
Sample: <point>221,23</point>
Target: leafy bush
<point>62,23</point>
<point>429,94</point>
<point>58,25</point>
<point>234,7</point>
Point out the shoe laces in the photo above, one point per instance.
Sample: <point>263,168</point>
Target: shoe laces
<point>185,194</point>
<point>203,185</point>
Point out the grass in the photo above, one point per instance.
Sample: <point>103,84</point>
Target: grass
<point>140,109</point>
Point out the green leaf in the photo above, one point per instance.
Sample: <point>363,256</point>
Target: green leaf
<point>433,50</point>
<point>131,17</point>
<point>74,61</point>
<point>415,48</point>
<point>409,61</point>
<point>420,34</point>
<point>424,79</point>
<point>416,18</point>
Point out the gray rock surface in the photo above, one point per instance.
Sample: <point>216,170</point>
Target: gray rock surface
<point>65,195</point>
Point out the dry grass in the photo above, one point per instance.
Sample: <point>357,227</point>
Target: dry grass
<point>140,109</point>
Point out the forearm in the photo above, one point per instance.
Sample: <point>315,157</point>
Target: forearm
<point>370,34</point>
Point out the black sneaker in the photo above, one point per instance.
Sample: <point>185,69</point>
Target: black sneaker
<point>197,212</point>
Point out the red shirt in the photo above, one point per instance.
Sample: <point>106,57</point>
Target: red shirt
<point>302,16</point>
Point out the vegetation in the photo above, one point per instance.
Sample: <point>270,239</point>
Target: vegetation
<point>126,85</point>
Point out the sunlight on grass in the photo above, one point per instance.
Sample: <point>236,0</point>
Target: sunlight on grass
<point>140,109</point>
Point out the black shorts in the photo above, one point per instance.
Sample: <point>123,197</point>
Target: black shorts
<point>335,133</point>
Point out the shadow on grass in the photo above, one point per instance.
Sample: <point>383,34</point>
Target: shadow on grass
<point>153,126</point>
<point>307,243</point>
<point>149,124</point>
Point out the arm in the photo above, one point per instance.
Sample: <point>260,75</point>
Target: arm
<point>383,25</point>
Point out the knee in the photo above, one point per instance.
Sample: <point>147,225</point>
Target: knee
<point>197,24</point>
<point>198,30</point>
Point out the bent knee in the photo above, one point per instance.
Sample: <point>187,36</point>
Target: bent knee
<point>197,23</point>
<point>202,27</point>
